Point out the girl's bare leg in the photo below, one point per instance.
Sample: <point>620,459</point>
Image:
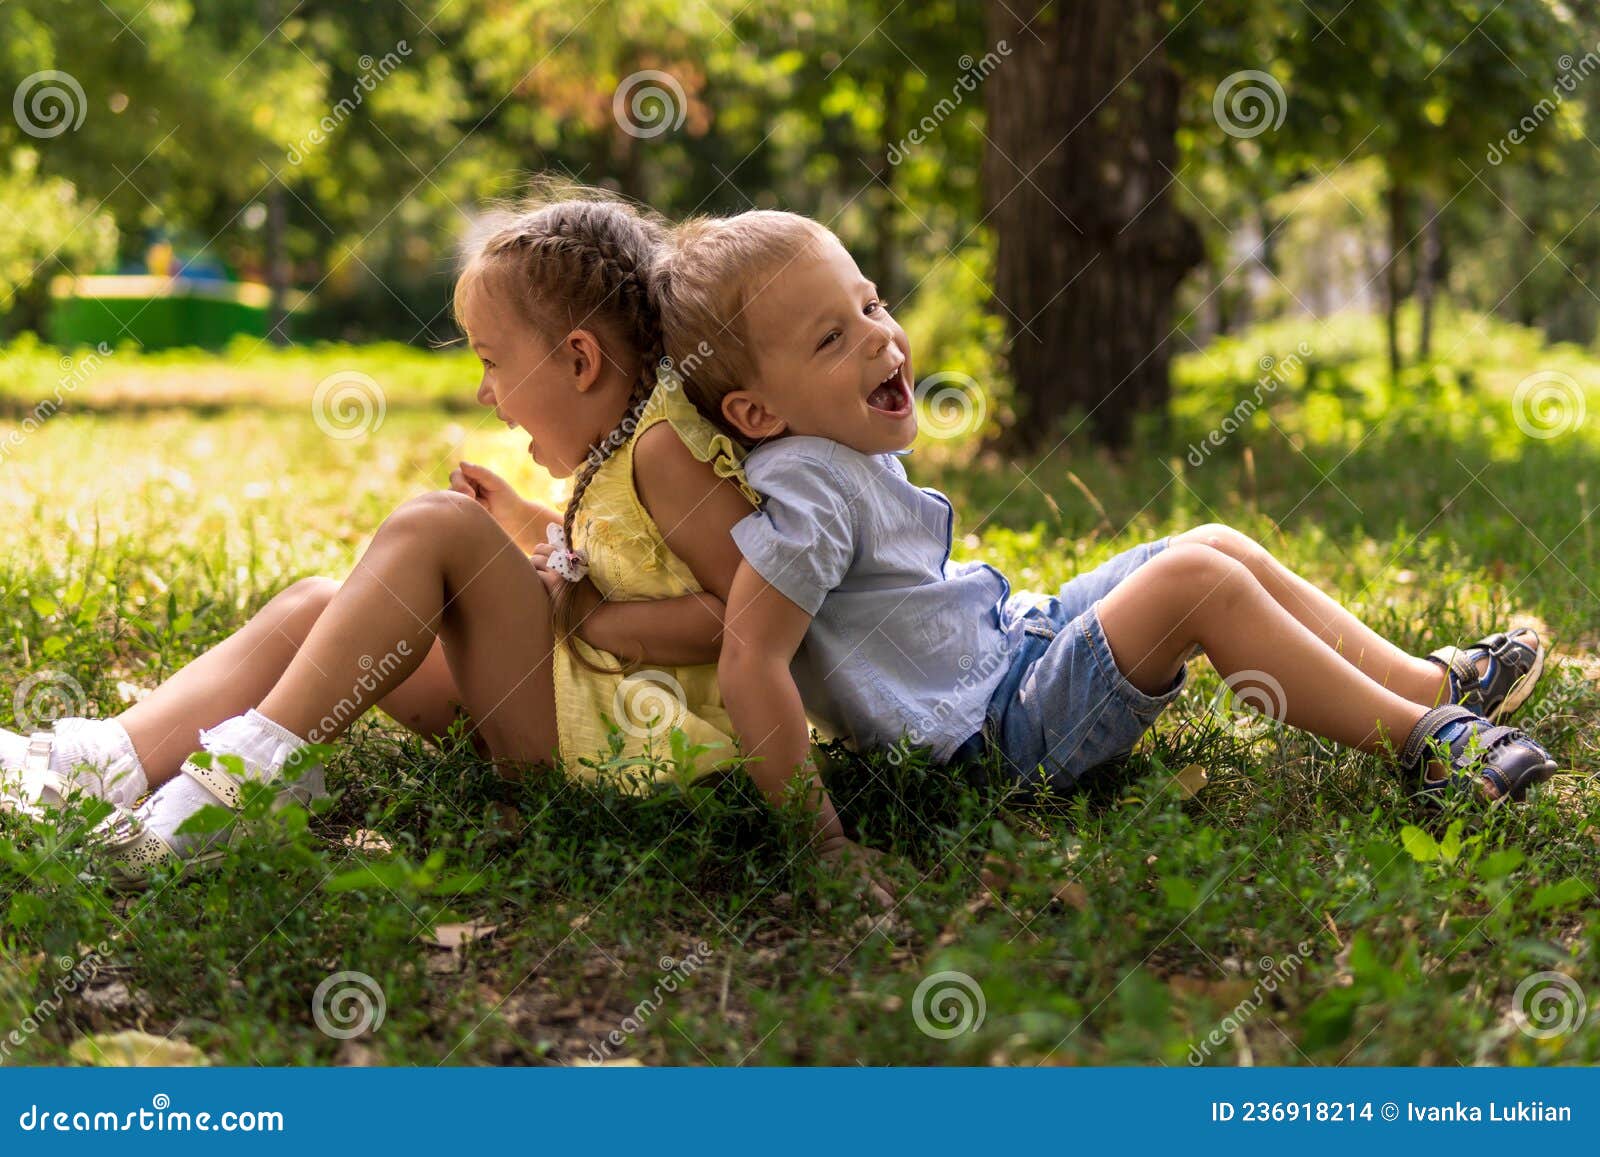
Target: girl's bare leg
<point>1191,594</point>
<point>1408,675</point>
<point>438,568</point>
<point>239,671</point>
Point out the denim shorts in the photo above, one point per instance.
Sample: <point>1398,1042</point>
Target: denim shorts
<point>1063,706</point>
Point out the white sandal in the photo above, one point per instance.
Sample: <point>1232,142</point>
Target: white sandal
<point>35,787</point>
<point>130,849</point>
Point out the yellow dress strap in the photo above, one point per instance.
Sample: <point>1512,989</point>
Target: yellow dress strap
<point>707,443</point>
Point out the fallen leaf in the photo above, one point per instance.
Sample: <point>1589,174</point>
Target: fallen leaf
<point>364,841</point>
<point>1190,780</point>
<point>1073,895</point>
<point>998,872</point>
<point>356,1055</point>
<point>455,935</point>
<point>133,1049</point>
<point>111,997</point>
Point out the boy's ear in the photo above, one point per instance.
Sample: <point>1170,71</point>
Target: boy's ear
<point>583,357</point>
<point>747,414</point>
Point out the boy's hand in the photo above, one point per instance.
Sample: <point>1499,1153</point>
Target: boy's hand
<point>515,514</point>
<point>847,855</point>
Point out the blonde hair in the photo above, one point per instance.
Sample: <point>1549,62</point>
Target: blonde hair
<point>705,277</point>
<point>584,262</point>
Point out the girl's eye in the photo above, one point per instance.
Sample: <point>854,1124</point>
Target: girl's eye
<point>488,365</point>
<point>829,339</point>
<point>873,306</point>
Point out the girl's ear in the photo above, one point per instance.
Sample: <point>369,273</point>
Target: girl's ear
<point>583,358</point>
<point>747,414</point>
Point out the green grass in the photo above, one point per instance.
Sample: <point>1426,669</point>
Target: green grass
<point>1123,930</point>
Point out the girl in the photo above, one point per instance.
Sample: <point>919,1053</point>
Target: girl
<point>846,600</point>
<point>555,302</point>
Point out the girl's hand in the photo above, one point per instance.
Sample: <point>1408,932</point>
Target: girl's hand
<point>585,595</point>
<point>519,518</point>
<point>847,855</point>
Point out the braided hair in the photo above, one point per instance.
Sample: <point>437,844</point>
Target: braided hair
<point>581,262</point>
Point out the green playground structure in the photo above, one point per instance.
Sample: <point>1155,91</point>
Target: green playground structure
<point>158,312</point>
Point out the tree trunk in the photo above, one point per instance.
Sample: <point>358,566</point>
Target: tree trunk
<point>1083,112</point>
<point>1395,286</point>
<point>1427,275</point>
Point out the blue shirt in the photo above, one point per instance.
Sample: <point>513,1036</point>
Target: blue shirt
<point>903,642</point>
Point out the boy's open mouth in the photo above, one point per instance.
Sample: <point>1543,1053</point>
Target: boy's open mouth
<point>893,396</point>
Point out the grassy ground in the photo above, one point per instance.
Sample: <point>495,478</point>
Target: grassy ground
<point>1298,909</point>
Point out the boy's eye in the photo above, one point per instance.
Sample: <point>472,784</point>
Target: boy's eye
<point>874,305</point>
<point>825,342</point>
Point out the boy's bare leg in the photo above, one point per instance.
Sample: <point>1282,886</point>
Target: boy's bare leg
<point>1191,594</point>
<point>1407,675</point>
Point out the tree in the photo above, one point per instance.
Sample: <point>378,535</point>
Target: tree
<point>1082,125</point>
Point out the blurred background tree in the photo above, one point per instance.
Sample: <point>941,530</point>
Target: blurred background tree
<point>1055,197</point>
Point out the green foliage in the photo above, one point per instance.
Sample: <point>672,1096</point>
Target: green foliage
<point>1303,907</point>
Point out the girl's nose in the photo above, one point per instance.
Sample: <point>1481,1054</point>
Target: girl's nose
<point>485,397</point>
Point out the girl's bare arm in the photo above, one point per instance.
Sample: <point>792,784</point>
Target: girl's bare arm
<point>695,512</point>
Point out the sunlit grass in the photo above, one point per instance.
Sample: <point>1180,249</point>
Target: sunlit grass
<point>136,541</point>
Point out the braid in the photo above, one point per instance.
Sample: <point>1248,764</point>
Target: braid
<point>588,263</point>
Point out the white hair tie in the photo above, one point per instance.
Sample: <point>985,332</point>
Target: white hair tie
<point>569,564</point>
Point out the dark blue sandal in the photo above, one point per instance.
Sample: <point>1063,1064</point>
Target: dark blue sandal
<point>1515,662</point>
<point>1494,761</point>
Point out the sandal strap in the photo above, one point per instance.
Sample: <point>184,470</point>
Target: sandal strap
<point>1463,669</point>
<point>37,778</point>
<point>1432,721</point>
<point>217,781</point>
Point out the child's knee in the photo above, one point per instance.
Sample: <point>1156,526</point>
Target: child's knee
<point>1225,539</point>
<point>438,516</point>
<point>1192,573</point>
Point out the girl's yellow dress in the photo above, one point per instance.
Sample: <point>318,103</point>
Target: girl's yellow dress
<point>628,560</point>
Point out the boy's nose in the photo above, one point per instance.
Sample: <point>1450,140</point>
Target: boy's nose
<point>485,397</point>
